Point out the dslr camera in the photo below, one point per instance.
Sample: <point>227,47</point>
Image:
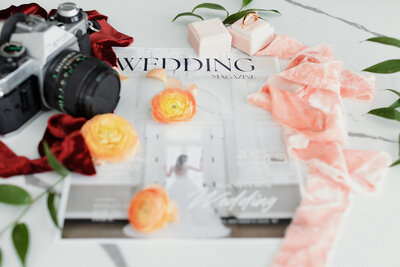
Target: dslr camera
<point>46,64</point>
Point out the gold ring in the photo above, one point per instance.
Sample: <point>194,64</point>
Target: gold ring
<point>248,17</point>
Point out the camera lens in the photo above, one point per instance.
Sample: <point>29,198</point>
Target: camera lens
<point>81,86</point>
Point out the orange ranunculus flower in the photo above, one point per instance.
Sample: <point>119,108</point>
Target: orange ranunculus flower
<point>151,209</point>
<point>110,138</point>
<point>173,105</point>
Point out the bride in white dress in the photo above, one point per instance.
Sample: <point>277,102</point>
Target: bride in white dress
<point>194,222</point>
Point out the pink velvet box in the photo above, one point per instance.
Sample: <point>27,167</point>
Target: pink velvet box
<point>254,36</point>
<point>209,37</point>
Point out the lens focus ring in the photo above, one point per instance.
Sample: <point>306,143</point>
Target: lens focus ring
<point>81,86</point>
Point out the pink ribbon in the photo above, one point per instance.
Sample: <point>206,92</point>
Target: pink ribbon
<point>307,98</point>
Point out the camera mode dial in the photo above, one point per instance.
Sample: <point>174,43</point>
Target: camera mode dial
<point>12,51</point>
<point>10,54</point>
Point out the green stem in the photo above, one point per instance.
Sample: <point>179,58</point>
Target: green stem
<point>16,220</point>
<point>27,208</point>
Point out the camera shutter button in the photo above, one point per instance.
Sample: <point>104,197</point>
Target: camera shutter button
<point>68,10</point>
<point>68,13</point>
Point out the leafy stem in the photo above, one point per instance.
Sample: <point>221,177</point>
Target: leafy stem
<point>27,207</point>
<point>230,18</point>
<point>389,66</point>
<point>14,195</point>
<point>16,220</point>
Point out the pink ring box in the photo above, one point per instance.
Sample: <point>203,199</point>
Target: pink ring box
<point>209,37</point>
<point>254,36</point>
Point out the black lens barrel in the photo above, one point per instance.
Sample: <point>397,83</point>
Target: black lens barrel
<point>81,86</point>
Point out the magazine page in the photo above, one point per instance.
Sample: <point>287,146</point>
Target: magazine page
<point>227,170</point>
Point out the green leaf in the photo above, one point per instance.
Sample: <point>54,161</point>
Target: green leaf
<point>385,40</point>
<point>20,237</point>
<point>211,6</point>
<point>246,3</point>
<point>54,163</point>
<point>52,208</point>
<point>187,14</point>
<point>397,162</point>
<point>396,104</point>
<point>388,113</point>
<point>236,16</point>
<point>1,257</point>
<point>388,66</point>
<point>394,91</point>
<point>14,195</point>
<point>264,10</point>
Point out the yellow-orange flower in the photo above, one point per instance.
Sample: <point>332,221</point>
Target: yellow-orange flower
<point>173,105</point>
<point>110,138</point>
<point>151,209</point>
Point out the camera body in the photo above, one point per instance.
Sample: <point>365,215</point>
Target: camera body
<point>46,64</point>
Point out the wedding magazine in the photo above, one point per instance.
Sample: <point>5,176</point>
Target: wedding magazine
<point>240,182</point>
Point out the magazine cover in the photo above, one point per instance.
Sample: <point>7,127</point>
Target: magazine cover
<point>227,170</point>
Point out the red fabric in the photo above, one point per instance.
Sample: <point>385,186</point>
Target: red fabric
<point>66,143</point>
<point>101,42</point>
<point>26,9</point>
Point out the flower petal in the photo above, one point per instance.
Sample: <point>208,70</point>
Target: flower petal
<point>160,74</point>
<point>192,88</point>
<point>173,84</point>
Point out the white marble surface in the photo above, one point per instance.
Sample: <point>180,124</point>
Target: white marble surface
<point>370,234</point>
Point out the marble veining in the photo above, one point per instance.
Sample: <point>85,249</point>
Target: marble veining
<point>363,135</point>
<point>319,11</point>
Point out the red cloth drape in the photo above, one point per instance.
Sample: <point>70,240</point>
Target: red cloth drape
<point>26,9</point>
<point>66,143</point>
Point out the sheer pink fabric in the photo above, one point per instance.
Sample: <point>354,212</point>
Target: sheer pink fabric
<point>292,47</point>
<point>307,98</point>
